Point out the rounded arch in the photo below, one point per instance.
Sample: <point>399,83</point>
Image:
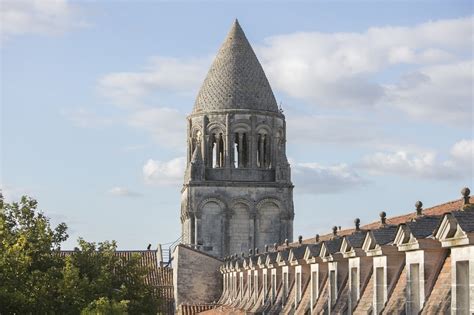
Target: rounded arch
<point>249,204</point>
<point>241,126</point>
<point>268,221</point>
<point>216,127</point>
<point>241,226</point>
<point>212,214</point>
<point>264,129</point>
<point>269,199</point>
<point>217,200</point>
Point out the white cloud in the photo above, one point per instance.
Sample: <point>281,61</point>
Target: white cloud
<point>161,74</point>
<point>123,192</point>
<point>50,17</point>
<point>164,172</point>
<point>343,69</point>
<point>166,125</point>
<point>425,165</point>
<point>441,93</point>
<point>331,129</point>
<point>84,118</point>
<point>318,179</point>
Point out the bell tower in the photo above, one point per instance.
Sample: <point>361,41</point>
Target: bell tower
<point>237,191</point>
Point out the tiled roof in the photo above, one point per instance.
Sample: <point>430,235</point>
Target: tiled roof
<point>298,252</point>
<point>424,226</point>
<point>284,254</point>
<point>356,239</point>
<point>272,256</point>
<point>435,210</point>
<point>314,249</point>
<point>333,245</point>
<point>385,234</point>
<point>236,79</point>
<point>465,219</point>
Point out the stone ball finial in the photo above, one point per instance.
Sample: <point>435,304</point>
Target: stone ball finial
<point>317,238</point>
<point>465,195</point>
<point>286,242</point>
<point>300,239</point>
<point>383,217</point>
<point>243,254</point>
<point>334,230</point>
<point>465,192</point>
<point>419,207</point>
<point>256,250</point>
<point>357,224</point>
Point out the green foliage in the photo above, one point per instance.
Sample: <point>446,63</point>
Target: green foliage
<point>104,306</point>
<point>36,277</point>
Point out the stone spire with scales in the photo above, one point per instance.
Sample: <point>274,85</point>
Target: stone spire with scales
<point>236,79</point>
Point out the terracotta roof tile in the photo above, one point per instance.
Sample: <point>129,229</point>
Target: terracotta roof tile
<point>441,209</point>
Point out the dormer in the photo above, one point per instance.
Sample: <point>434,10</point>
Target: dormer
<point>417,234</point>
<point>296,256</point>
<point>330,249</point>
<point>282,258</point>
<point>261,260</point>
<point>270,260</point>
<point>253,262</point>
<point>377,242</point>
<point>456,229</point>
<point>351,245</point>
<point>311,254</point>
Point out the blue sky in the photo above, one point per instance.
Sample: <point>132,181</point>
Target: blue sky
<point>377,95</point>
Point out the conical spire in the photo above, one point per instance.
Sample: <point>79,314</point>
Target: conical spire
<point>236,79</point>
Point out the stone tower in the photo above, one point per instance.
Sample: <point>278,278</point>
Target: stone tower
<point>237,191</point>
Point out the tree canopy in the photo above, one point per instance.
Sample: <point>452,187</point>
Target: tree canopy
<point>37,277</point>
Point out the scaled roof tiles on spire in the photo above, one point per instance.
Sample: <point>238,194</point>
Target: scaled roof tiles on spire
<point>236,79</point>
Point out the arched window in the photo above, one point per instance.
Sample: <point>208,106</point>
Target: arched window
<point>240,150</point>
<point>217,150</point>
<point>263,151</point>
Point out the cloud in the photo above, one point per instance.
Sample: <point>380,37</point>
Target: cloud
<point>318,179</point>
<point>84,118</point>
<point>164,172</point>
<point>331,129</point>
<point>441,93</point>
<point>123,192</point>
<point>343,70</point>
<point>161,74</point>
<point>45,17</point>
<point>424,165</point>
<point>166,125</point>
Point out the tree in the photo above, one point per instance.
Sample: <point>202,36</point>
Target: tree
<point>103,306</point>
<point>30,264</point>
<point>36,277</point>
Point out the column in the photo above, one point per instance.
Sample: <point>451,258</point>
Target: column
<point>262,150</point>
<point>240,148</point>
<point>218,150</point>
<point>197,225</point>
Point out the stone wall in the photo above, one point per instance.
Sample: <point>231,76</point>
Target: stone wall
<point>196,277</point>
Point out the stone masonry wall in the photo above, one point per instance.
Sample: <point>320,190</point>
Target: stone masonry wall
<point>196,277</point>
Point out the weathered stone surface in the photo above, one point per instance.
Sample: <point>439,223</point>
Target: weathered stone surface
<point>237,190</point>
<point>196,276</point>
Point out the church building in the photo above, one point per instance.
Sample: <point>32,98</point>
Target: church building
<point>237,192</point>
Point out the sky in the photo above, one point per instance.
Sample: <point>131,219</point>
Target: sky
<point>378,98</point>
